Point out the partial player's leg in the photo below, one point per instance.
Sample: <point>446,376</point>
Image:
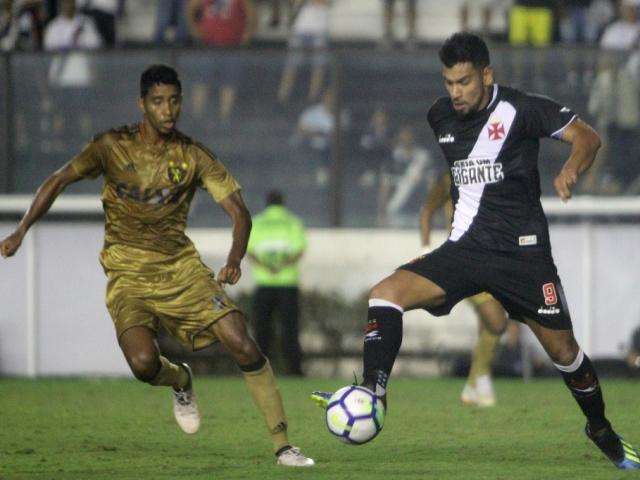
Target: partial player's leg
<point>581,379</point>
<point>492,323</point>
<point>141,351</point>
<point>435,282</point>
<point>403,290</point>
<point>232,332</point>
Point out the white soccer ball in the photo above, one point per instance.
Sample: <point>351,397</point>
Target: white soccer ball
<point>355,415</point>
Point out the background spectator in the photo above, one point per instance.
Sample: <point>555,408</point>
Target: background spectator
<point>70,73</point>
<point>483,17</point>
<point>600,14</point>
<point>389,21</point>
<point>21,25</point>
<point>221,23</point>
<point>314,133</point>
<point>376,143</point>
<point>622,34</point>
<point>531,22</point>
<point>171,22</point>
<point>409,168</point>
<point>104,14</point>
<point>309,39</point>
<point>278,13</point>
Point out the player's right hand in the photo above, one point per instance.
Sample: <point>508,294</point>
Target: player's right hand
<point>230,273</point>
<point>10,244</point>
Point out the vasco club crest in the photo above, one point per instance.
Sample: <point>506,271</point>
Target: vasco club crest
<point>176,171</point>
<point>496,131</point>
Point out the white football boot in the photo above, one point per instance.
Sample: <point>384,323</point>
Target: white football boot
<point>293,457</point>
<point>481,394</point>
<point>469,394</point>
<point>185,407</point>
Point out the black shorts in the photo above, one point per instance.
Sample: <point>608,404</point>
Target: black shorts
<point>525,282</point>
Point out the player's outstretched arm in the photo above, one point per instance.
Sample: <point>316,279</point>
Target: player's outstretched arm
<point>436,199</point>
<point>53,186</point>
<point>585,143</point>
<point>236,209</point>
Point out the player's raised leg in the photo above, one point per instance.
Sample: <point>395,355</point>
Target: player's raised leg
<point>403,290</point>
<point>232,332</point>
<point>581,379</point>
<point>478,389</point>
<point>141,351</point>
<point>400,291</point>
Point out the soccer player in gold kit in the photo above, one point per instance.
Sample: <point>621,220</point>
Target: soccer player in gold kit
<point>155,275</point>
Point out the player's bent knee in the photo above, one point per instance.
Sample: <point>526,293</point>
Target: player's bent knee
<point>563,355</point>
<point>385,291</point>
<point>144,366</point>
<point>245,351</point>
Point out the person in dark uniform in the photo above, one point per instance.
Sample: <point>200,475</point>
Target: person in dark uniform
<point>499,242</point>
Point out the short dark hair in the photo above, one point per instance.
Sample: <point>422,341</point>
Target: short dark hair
<point>156,75</point>
<point>275,197</point>
<point>463,47</point>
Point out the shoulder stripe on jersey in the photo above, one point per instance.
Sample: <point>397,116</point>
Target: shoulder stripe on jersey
<point>471,175</point>
<point>558,133</point>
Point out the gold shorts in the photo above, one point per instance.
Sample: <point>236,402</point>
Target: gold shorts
<point>185,300</point>
<point>480,298</point>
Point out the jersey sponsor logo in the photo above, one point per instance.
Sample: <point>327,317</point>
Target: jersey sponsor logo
<point>549,292</point>
<point>448,138</point>
<point>476,171</point>
<point>496,131</point>
<point>526,240</point>
<point>151,196</point>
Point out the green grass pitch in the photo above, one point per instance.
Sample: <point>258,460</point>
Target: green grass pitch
<point>72,429</point>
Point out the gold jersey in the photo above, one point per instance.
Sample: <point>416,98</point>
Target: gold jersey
<point>147,193</point>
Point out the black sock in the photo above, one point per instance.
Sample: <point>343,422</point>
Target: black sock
<point>382,340</point>
<point>585,388</point>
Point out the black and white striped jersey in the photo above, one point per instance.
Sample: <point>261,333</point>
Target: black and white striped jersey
<point>493,157</point>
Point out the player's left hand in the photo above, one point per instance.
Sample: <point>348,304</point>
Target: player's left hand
<point>230,273</point>
<point>564,183</point>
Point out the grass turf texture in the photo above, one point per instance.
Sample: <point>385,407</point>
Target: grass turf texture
<point>106,429</point>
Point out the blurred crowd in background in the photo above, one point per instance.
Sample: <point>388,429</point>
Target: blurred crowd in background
<point>31,25</point>
<point>329,96</point>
